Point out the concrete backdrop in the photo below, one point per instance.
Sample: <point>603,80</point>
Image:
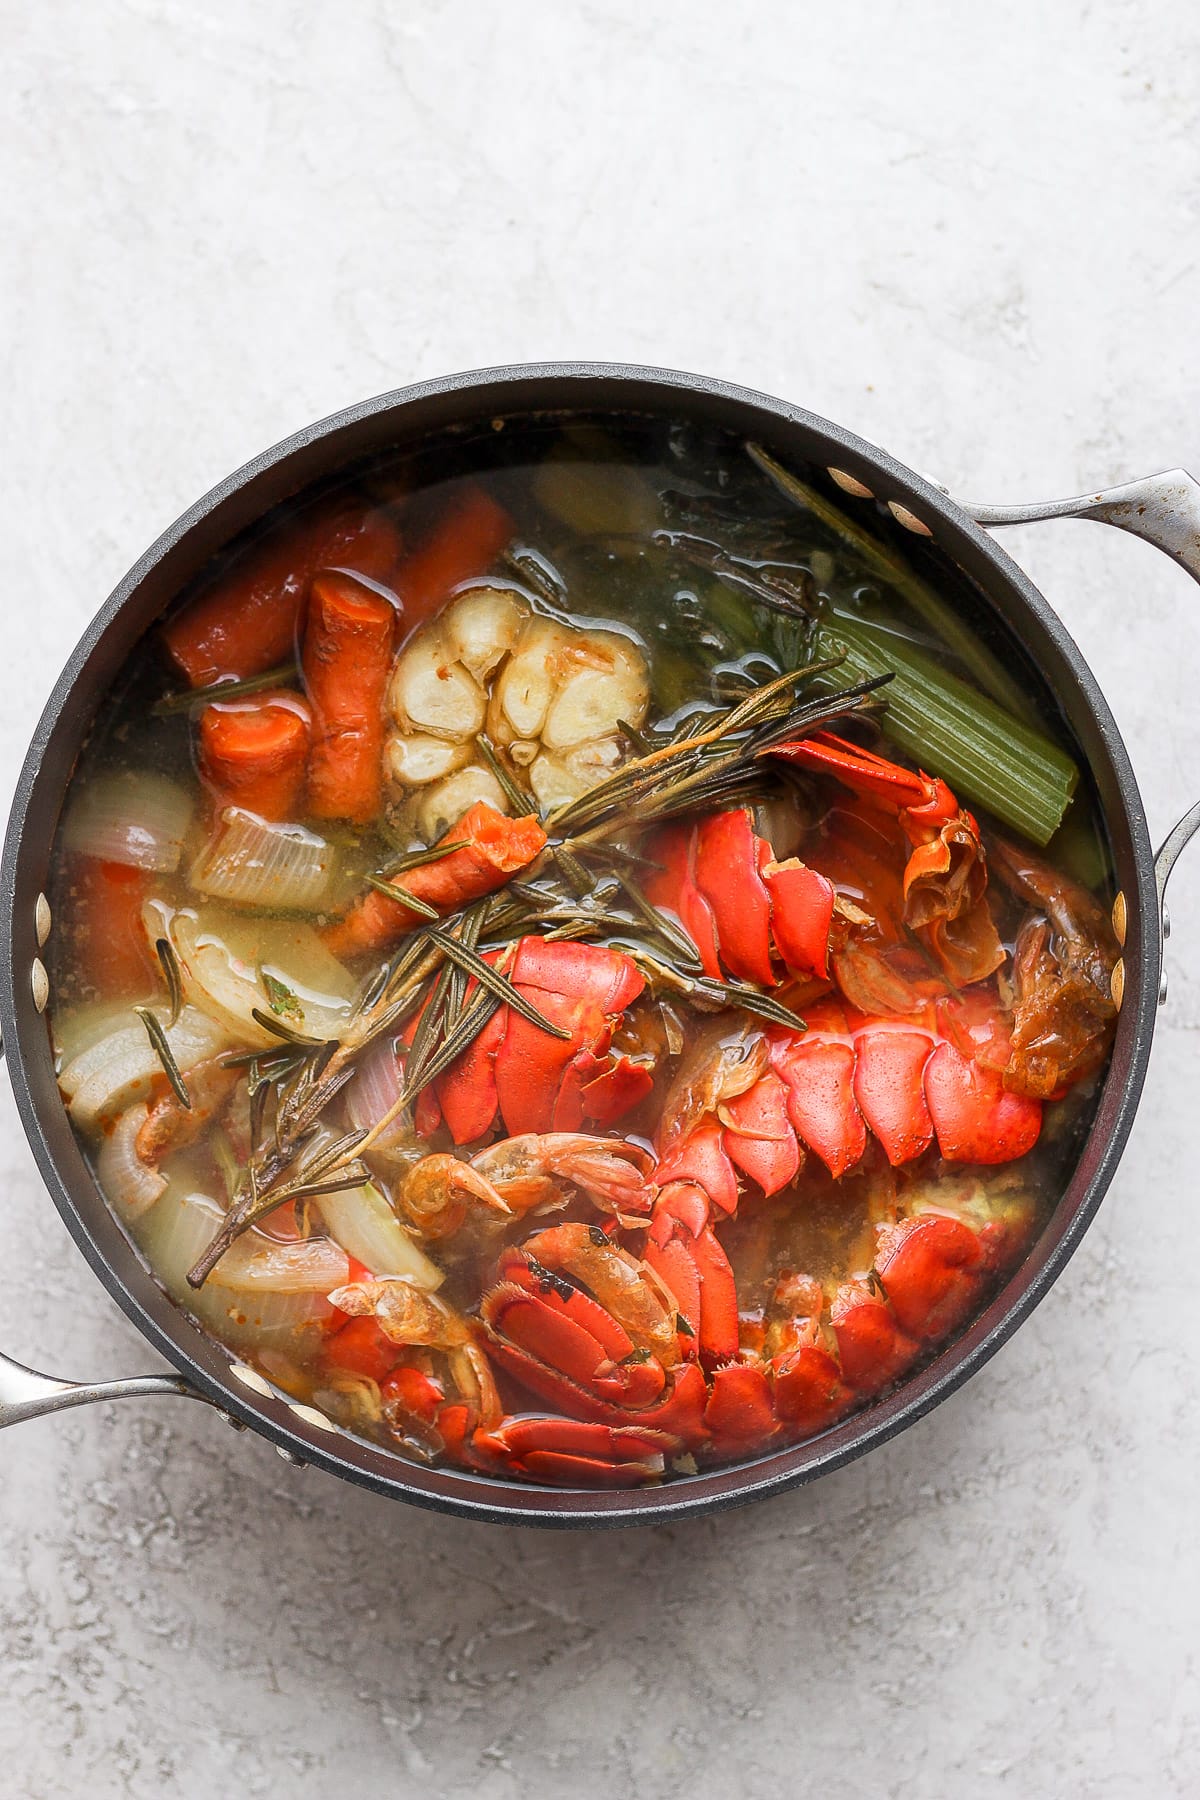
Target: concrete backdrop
<point>969,233</point>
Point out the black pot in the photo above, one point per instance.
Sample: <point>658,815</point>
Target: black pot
<point>1165,509</point>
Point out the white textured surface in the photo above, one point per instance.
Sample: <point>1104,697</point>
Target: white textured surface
<point>969,232</point>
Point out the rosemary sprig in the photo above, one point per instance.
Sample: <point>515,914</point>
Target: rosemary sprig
<point>165,1055</point>
<point>718,996</point>
<point>334,1169</point>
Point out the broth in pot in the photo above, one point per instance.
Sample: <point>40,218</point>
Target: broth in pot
<point>576,955</point>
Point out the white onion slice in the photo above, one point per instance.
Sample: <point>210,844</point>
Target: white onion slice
<point>175,1233</point>
<point>223,961</point>
<point>259,1290</point>
<point>254,1264</point>
<point>365,1225</point>
<point>132,817</point>
<point>114,1073</point>
<point>127,1182</point>
<point>252,863</point>
<point>375,1089</point>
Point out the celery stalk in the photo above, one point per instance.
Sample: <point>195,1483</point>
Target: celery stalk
<point>890,568</point>
<point>989,758</point>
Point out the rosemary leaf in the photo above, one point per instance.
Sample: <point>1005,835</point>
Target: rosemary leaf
<point>671,934</point>
<point>278,1029</point>
<point>417,859</point>
<point>164,1053</point>
<point>224,690</point>
<point>490,978</point>
<point>165,951</point>
<point>402,897</point>
<point>518,797</point>
<point>740,993</point>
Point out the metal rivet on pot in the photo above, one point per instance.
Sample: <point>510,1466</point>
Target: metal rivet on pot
<point>228,1419</point>
<point>1166,917</point>
<point>1120,921</point>
<point>849,484</point>
<point>1117,983</point>
<point>1162,988</point>
<point>40,983</point>
<point>289,1456</point>
<point>258,1384</point>
<point>41,919</point>
<point>311,1416</point>
<point>909,520</point>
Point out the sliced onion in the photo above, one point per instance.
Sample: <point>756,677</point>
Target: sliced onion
<point>252,863</point>
<point>174,1233</point>
<point>119,1069</point>
<point>127,1182</point>
<point>260,1265</point>
<point>365,1225</point>
<point>227,964</point>
<point>132,817</point>
<point>259,1290</point>
<point>374,1091</point>
<point>263,1288</point>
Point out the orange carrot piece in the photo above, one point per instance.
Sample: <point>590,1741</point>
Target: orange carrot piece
<point>465,541</point>
<point>493,848</point>
<point>348,647</point>
<point>249,621</point>
<point>254,752</point>
<point>104,936</point>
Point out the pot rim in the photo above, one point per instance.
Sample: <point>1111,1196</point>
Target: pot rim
<point>521,388</point>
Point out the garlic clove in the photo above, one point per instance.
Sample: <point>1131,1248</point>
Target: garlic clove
<point>442,805</point>
<point>429,689</point>
<point>559,779</point>
<point>481,626</point>
<point>610,684</point>
<point>526,686</point>
<point>414,759</point>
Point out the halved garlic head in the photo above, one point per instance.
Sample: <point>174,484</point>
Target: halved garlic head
<point>550,695</point>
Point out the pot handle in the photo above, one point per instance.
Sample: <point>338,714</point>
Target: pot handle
<point>25,1394</point>
<point>1165,510</point>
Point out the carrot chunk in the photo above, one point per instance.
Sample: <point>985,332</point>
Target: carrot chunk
<point>249,621</point>
<point>103,930</point>
<point>465,541</point>
<point>493,848</point>
<point>347,658</point>
<point>254,752</point>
